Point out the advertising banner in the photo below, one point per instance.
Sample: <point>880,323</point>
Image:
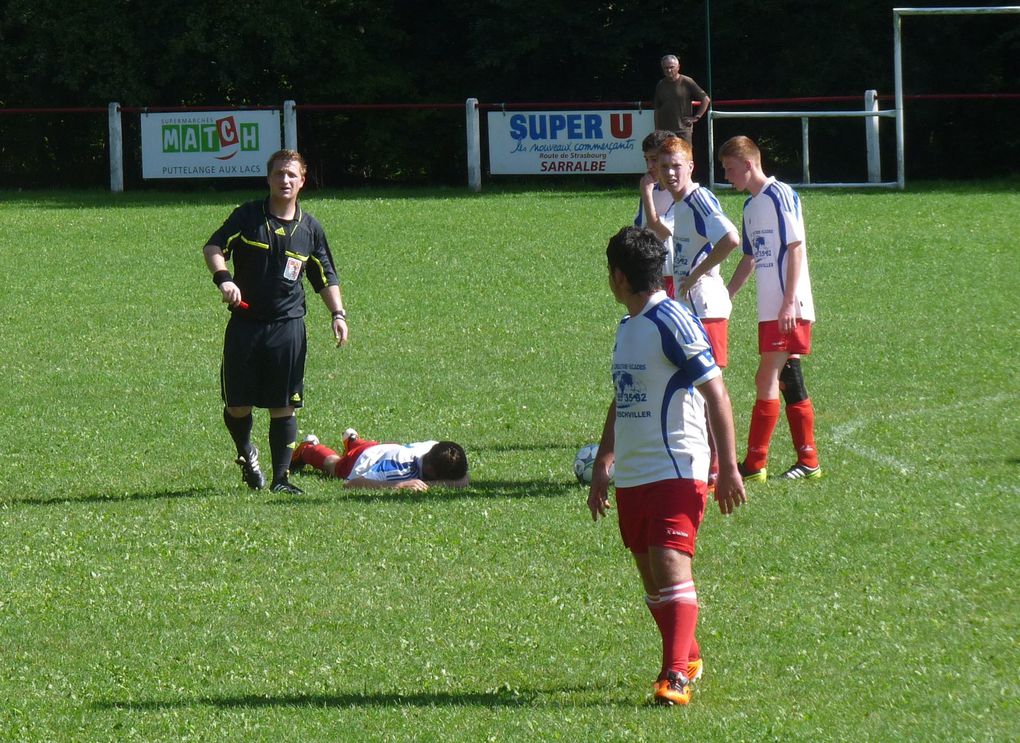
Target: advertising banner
<point>558,142</point>
<point>209,144</point>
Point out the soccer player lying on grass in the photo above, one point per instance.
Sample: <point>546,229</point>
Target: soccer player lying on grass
<point>370,464</point>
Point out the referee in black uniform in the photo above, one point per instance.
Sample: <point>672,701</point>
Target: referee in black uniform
<point>272,242</point>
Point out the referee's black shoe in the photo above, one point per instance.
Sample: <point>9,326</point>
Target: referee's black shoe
<point>250,471</point>
<point>284,486</point>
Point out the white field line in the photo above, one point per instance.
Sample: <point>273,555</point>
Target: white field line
<point>846,435</point>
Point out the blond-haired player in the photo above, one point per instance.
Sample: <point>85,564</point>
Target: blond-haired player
<point>775,249</point>
<point>697,227</point>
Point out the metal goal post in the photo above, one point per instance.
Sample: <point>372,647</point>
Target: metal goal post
<point>871,112</point>
<point>898,13</point>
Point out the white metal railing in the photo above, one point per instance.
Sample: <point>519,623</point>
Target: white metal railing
<point>871,114</point>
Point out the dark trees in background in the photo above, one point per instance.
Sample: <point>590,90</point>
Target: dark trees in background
<point>59,53</point>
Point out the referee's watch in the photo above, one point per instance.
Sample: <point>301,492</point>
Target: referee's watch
<point>339,314</point>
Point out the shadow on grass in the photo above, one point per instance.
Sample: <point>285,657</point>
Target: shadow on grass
<point>535,446</point>
<point>110,498</point>
<point>494,700</point>
<point>479,489</point>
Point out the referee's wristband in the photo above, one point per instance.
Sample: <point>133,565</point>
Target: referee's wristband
<point>339,314</point>
<point>220,277</point>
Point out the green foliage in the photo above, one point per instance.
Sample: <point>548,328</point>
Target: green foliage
<point>147,595</point>
<point>61,54</point>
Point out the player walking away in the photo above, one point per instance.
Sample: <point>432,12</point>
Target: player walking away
<point>370,464</point>
<point>655,434</point>
<point>699,228</point>
<point>272,242</point>
<point>775,249</point>
<point>655,203</point>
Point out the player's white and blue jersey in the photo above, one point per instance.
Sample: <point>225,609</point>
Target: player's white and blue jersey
<point>698,223</point>
<point>661,354</point>
<point>391,462</point>
<point>773,220</point>
<point>663,201</point>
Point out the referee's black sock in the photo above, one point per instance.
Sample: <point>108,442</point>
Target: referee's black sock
<point>240,431</point>
<point>282,437</point>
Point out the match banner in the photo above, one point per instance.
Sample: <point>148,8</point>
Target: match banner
<point>209,144</point>
<point>556,142</point>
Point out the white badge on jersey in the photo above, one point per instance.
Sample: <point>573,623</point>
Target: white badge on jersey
<point>292,270</point>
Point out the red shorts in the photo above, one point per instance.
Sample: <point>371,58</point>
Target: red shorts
<point>718,335</point>
<point>771,340</point>
<point>666,513</point>
<point>669,287</point>
<point>350,457</point>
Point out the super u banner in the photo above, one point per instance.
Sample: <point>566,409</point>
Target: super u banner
<point>557,142</point>
<point>208,144</point>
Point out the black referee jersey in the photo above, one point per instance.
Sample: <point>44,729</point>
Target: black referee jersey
<point>270,255</point>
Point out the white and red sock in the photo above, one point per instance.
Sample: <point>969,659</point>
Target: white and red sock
<point>676,614</point>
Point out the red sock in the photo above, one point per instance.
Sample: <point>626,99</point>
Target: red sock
<point>695,652</point>
<point>764,418</point>
<point>676,613</point>
<point>315,455</point>
<point>801,416</point>
<point>654,605</point>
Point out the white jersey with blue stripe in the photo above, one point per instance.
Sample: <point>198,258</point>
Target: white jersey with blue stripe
<point>773,220</point>
<point>391,462</point>
<point>661,354</point>
<point>662,200</point>
<point>699,223</point>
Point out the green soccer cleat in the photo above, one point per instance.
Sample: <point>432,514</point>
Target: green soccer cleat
<point>752,475</point>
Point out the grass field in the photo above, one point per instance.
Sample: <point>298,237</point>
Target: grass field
<point>146,595</point>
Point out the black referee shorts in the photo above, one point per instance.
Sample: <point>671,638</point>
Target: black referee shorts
<point>263,363</point>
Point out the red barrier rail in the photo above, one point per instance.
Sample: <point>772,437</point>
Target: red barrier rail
<point>523,106</point>
<point>171,109</point>
<point>79,110</point>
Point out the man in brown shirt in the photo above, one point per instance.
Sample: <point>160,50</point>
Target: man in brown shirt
<point>674,94</point>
